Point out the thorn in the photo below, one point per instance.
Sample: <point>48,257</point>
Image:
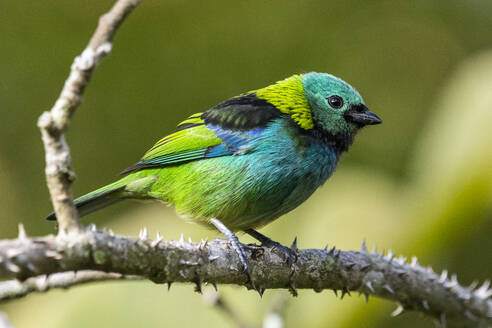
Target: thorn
<point>400,272</point>
<point>367,297</point>
<point>181,240</point>
<point>414,262</point>
<point>336,253</point>
<point>401,260</point>
<point>484,291</point>
<point>363,247</point>
<point>444,276</point>
<point>374,250</point>
<point>206,242</point>
<point>42,283</point>
<point>158,239</point>
<point>363,267</point>
<point>215,286</point>
<point>11,253</point>
<point>425,304</point>
<point>388,288</point>
<point>213,258</point>
<point>143,234</point>
<point>349,266</point>
<point>332,250</point>
<point>335,292</point>
<point>169,285</point>
<point>485,285</point>
<point>201,245</point>
<point>198,286</point>
<point>451,283</point>
<point>53,254</point>
<point>189,240</point>
<point>326,248</point>
<point>389,257</point>
<point>442,319</point>
<point>31,267</point>
<point>111,233</point>
<point>22,232</point>
<point>345,290</point>
<point>294,245</point>
<point>399,310</point>
<point>260,291</point>
<point>292,289</point>
<point>12,267</point>
<point>473,285</point>
<point>92,227</point>
<point>368,284</point>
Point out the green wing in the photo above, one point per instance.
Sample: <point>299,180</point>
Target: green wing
<point>191,140</point>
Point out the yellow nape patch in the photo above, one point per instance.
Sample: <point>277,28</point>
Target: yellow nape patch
<point>289,97</point>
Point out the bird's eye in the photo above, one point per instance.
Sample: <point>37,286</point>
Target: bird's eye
<point>335,102</point>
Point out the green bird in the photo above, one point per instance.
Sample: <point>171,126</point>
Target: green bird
<point>248,160</point>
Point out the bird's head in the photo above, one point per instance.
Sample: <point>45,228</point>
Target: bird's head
<point>336,107</point>
<point>321,103</point>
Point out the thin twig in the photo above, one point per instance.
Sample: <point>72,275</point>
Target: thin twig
<point>275,318</point>
<point>4,321</point>
<point>13,289</point>
<point>54,123</point>
<point>408,284</point>
<point>216,300</point>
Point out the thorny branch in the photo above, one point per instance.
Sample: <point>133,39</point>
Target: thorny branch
<point>54,123</point>
<point>369,273</point>
<point>78,256</point>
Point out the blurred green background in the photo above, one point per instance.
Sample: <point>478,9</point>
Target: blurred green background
<point>420,184</point>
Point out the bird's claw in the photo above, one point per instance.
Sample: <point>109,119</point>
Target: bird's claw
<point>240,250</point>
<point>289,253</point>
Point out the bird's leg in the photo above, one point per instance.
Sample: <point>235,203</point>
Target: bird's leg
<point>238,247</point>
<point>290,253</point>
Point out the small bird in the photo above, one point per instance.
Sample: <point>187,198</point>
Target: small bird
<point>248,160</point>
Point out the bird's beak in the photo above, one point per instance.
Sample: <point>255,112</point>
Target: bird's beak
<point>361,116</point>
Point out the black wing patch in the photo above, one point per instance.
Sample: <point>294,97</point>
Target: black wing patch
<point>245,112</point>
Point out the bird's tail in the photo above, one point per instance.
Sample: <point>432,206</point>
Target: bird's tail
<point>97,199</point>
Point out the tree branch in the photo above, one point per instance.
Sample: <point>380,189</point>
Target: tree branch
<point>410,285</point>
<point>42,263</point>
<point>54,123</point>
<point>13,289</point>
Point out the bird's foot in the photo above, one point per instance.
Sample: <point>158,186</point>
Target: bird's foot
<point>238,247</point>
<point>289,253</point>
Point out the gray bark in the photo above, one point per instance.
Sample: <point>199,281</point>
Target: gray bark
<point>408,284</point>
